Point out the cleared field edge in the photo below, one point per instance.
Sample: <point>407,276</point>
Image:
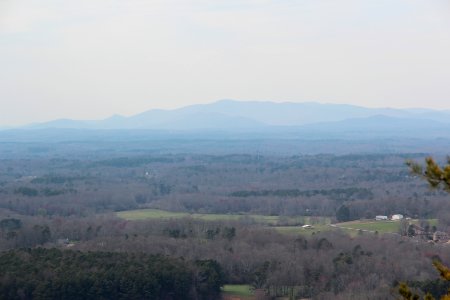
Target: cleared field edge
<point>142,214</point>
<point>242,290</point>
<point>379,226</point>
<point>280,223</point>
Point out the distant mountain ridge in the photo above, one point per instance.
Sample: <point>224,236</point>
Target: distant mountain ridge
<point>258,115</point>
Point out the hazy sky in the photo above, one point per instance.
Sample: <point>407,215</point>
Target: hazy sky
<point>88,59</point>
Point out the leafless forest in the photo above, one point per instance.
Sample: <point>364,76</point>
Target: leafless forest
<point>65,194</point>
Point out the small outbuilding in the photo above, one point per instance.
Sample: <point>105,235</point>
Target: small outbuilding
<point>381,218</point>
<point>397,217</point>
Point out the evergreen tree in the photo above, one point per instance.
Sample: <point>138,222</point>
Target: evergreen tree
<point>343,214</point>
<point>438,178</point>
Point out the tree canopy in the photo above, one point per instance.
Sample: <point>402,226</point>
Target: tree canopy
<point>56,274</point>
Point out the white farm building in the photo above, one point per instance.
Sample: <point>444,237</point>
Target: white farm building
<point>397,217</point>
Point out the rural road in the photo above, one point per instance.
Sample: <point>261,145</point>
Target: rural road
<point>363,230</point>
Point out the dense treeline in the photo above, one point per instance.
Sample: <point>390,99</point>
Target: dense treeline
<point>58,201</point>
<point>316,185</point>
<point>348,194</point>
<point>322,266</point>
<point>55,274</point>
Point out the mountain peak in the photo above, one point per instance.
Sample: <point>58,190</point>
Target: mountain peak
<point>229,113</point>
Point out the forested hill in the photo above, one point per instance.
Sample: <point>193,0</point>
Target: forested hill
<point>55,274</point>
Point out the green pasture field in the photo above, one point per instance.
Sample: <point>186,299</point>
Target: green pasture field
<point>380,226</point>
<point>283,224</point>
<point>240,290</point>
<point>149,214</point>
<point>352,227</point>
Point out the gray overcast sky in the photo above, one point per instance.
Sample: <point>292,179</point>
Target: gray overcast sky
<point>89,59</point>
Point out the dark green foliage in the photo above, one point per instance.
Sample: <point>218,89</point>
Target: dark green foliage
<point>47,192</point>
<point>52,192</point>
<point>10,224</point>
<point>406,293</point>
<point>57,179</point>
<point>260,275</point>
<point>411,232</point>
<point>335,194</point>
<point>436,176</point>
<point>26,191</point>
<point>212,233</point>
<point>175,233</point>
<point>343,214</point>
<point>229,232</point>
<point>210,278</point>
<point>56,274</point>
<point>127,162</point>
<point>324,244</point>
<point>161,189</point>
<point>437,288</point>
<point>42,233</point>
<point>343,258</point>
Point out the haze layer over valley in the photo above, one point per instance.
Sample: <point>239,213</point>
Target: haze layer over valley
<point>323,173</point>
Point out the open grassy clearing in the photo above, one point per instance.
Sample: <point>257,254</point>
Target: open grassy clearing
<point>146,214</point>
<point>237,290</point>
<point>352,227</point>
<point>380,226</point>
<point>283,224</point>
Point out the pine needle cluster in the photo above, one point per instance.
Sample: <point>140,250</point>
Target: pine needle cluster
<point>438,178</point>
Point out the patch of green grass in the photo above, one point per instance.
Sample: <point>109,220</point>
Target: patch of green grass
<point>433,222</point>
<point>237,290</point>
<point>380,226</point>
<point>278,222</point>
<point>142,214</point>
<point>352,228</point>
